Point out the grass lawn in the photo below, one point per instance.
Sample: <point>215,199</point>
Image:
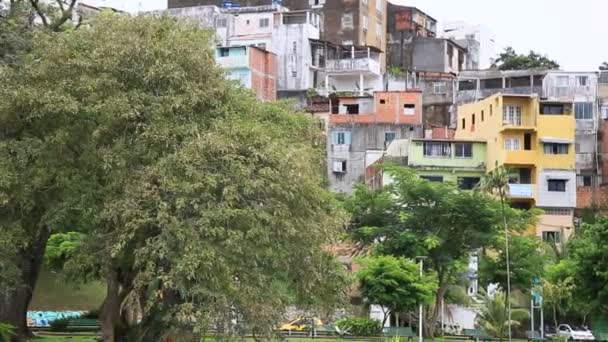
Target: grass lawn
<point>53,293</point>
<point>65,338</point>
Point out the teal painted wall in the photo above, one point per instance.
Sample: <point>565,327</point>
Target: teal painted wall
<point>417,159</point>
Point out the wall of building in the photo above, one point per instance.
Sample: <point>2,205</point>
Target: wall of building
<point>219,3</point>
<point>562,224</point>
<point>484,37</point>
<point>416,157</point>
<point>364,137</point>
<point>390,107</point>
<point>291,41</point>
<point>546,198</point>
<point>263,65</point>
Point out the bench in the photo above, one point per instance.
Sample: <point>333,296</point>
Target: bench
<point>601,336</point>
<point>80,324</point>
<point>476,335</point>
<point>534,336</point>
<point>398,332</point>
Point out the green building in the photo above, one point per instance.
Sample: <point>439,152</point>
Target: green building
<point>459,161</point>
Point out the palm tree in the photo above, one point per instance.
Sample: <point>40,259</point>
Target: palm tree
<point>496,182</point>
<point>492,318</point>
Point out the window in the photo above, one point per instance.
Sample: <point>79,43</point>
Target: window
<point>437,179</point>
<point>347,20</point>
<point>556,185</point>
<point>379,6</point>
<point>463,150</point>
<point>352,109</point>
<point>247,22</point>
<point>473,120</point>
<point>482,116</point>
<point>468,183</point>
<point>553,148</point>
<point>382,101</point>
<point>527,142</point>
<point>558,211</point>
<point>437,149</point>
<point>512,144</point>
<point>604,111</point>
<point>365,22</point>
<point>584,180</point>
<point>552,109</point>
<point>339,166</point>
<point>511,115</point>
<point>264,22</point>
<point>222,22</point>
<point>583,110</point>
<point>341,138</point>
<point>440,88</point>
<point>562,81</point>
<point>491,110</point>
<point>409,109</point>
<point>224,52</point>
<point>388,138</point>
<point>582,81</point>
<point>552,237</point>
<point>463,124</point>
<point>378,30</point>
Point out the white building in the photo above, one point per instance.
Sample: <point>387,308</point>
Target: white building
<point>462,31</point>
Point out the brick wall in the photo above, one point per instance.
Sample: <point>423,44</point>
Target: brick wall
<point>263,66</point>
<point>587,196</point>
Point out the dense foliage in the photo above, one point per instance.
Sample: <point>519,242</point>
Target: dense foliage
<point>511,60</point>
<point>199,206</point>
<point>394,283</point>
<point>414,217</point>
<point>493,317</point>
<point>357,326</point>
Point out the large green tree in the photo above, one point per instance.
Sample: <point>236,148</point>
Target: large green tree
<point>529,259</point>
<point>588,255</point>
<point>196,201</point>
<point>511,60</point>
<point>394,283</point>
<point>414,217</point>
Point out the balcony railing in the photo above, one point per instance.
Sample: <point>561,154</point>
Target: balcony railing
<point>521,190</point>
<point>352,65</point>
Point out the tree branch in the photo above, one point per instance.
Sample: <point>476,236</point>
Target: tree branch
<point>36,6</point>
<point>66,14</point>
<point>60,3</point>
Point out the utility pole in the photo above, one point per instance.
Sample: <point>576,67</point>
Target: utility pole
<point>420,313</point>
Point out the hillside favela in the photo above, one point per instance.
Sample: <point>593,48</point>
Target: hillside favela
<point>299,170</point>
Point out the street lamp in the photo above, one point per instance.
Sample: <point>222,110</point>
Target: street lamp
<point>420,315</point>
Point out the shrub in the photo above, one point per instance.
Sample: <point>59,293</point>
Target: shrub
<point>59,324</point>
<point>6,332</point>
<point>92,314</point>
<point>360,326</point>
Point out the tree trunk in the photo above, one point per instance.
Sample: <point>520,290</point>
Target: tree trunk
<point>429,326</point>
<point>14,303</point>
<point>110,309</point>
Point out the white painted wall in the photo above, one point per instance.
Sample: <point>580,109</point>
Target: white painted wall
<point>548,198</point>
<point>482,34</point>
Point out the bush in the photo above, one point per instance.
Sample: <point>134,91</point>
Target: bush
<point>6,332</point>
<point>59,324</point>
<point>92,314</point>
<point>360,326</point>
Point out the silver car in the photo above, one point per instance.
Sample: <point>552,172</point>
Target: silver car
<point>574,333</point>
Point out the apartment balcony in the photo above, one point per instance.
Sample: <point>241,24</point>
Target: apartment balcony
<point>521,191</point>
<point>521,157</point>
<point>585,161</point>
<point>233,62</point>
<point>347,66</point>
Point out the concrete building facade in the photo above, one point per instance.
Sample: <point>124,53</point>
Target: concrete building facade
<point>536,142</point>
<point>253,67</point>
<point>360,129</point>
<point>479,40</point>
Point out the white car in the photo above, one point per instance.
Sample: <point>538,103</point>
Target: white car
<point>575,334</point>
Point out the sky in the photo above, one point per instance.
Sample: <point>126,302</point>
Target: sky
<point>570,32</point>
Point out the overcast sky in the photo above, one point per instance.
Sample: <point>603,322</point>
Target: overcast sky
<point>571,32</point>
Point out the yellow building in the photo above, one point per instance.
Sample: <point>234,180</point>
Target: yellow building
<point>535,140</point>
